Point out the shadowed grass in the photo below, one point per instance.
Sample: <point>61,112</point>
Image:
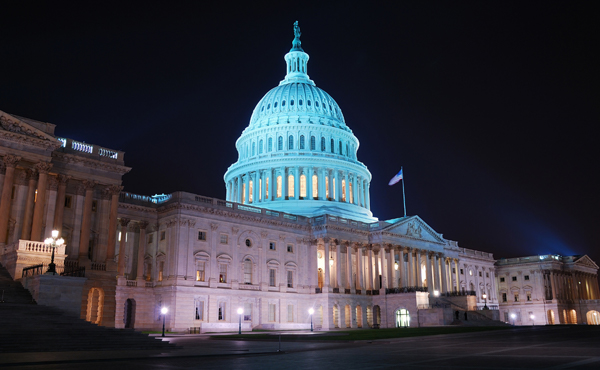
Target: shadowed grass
<point>364,334</point>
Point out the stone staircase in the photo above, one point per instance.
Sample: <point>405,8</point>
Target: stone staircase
<point>28,327</point>
<point>469,317</point>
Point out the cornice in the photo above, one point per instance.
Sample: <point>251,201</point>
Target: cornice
<point>91,163</point>
<point>29,140</point>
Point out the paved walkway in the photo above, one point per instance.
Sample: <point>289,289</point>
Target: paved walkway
<point>557,347</point>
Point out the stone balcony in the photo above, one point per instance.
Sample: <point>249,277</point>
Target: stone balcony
<point>25,253</point>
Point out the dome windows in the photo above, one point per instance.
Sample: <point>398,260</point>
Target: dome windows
<point>300,102</point>
<point>292,102</point>
<point>332,147</point>
<point>317,104</point>
<point>283,103</point>
<point>280,143</point>
<point>322,144</point>
<point>275,105</point>
<point>260,147</point>
<point>313,143</point>
<point>269,106</point>
<point>291,143</point>
<point>308,103</point>
<point>301,142</point>
<point>270,145</point>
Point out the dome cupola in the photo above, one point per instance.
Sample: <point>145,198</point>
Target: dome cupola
<point>297,155</point>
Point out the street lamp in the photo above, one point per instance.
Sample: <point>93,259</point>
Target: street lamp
<point>164,311</point>
<point>532,317</point>
<point>310,312</point>
<point>513,316</point>
<point>485,307</point>
<point>436,293</point>
<point>53,243</point>
<point>240,313</point>
<point>331,261</point>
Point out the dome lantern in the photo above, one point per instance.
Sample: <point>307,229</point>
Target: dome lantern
<point>297,61</point>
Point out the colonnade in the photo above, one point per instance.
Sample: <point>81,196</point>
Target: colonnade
<point>40,206</point>
<point>573,286</point>
<point>356,266</point>
<point>297,183</point>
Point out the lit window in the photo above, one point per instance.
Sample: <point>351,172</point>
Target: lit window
<point>278,186</point>
<point>303,186</point>
<point>343,190</point>
<point>161,268</point>
<point>327,186</point>
<point>243,193</point>
<point>267,188</point>
<point>528,296</point>
<point>291,189</point>
<point>200,270</point>
<point>315,187</point>
<point>199,314</point>
<point>222,273</point>
<point>350,191</point>
<point>250,191</point>
<point>259,189</point>
<point>516,297</point>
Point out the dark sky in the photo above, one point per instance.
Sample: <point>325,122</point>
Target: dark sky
<point>489,106</point>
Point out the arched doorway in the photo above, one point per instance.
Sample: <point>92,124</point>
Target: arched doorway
<point>359,323</point>
<point>376,316</point>
<point>348,314</point>
<point>402,318</point>
<point>593,317</point>
<point>370,316</point>
<point>564,317</point>
<point>95,306</point>
<point>550,317</point>
<point>572,317</point>
<point>320,278</point>
<point>129,316</point>
<point>336,316</point>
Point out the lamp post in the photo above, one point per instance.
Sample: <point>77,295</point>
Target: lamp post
<point>164,311</point>
<point>53,243</point>
<point>310,312</point>
<point>513,316</point>
<point>532,317</point>
<point>485,307</point>
<point>240,312</point>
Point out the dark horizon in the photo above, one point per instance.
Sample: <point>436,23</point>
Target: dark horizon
<point>488,106</point>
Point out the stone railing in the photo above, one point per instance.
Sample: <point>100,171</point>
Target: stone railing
<point>328,219</point>
<point>98,266</point>
<point>71,145</point>
<point>38,247</point>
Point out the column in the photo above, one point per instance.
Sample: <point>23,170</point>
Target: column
<point>410,276</point>
<point>418,263</point>
<point>428,273</point>
<point>338,267</point>
<point>309,188</point>
<point>331,189</point>
<point>27,219</point>
<point>263,186</point>
<point>296,183</point>
<point>436,272</point>
<point>391,262</point>
<point>271,185</point>
<point>349,267</point>
<point>444,276</point>
<point>124,222</point>
<point>10,161</point>
<point>60,203</point>
<point>86,224</point>
<point>114,191</point>
<point>346,192</point>
<point>240,189</point>
<point>368,195</point>
<point>354,190</point>
<point>141,250</point>
<point>360,268</point>
<point>326,278</point>
<point>553,285</point>
<point>401,269</point>
<point>370,279</point>
<point>457,269</point>
<point>376,284</point>
<point>38,211</point>
<point>255,187</point>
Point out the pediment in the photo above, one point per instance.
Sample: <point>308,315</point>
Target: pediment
<point>414,227</point>
<point>586,261</point>
<point>16,127</point>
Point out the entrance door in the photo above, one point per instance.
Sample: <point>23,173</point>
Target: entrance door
<point>129,313</point>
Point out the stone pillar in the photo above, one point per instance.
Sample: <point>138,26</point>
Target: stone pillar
<point>141,251</point>
<point>392,281</point>
<point>331,191</point>
<point>60,203</point>
<point>457,265</point>
<point>326,278</point>
<point>296,183</point>
<point>349,284</point>
<point>338,267</point>
<point>255,187</point>
<point>263,186</point>
<point>272,181</point>
<point>309,178</point>
<point>354,190</point>
<point>377,285</point>
<point>114,191</point>
<point>436,272</point>
<point>124,222</point>
<point>428,272</point>
<point>360,268</point>
<point>401,269</point>
<point>419,273</point>
<point>368,195</point>
<point>410,276</point>
<point>370,279</point>
<point>38,211</point>
<point>346,190</point>
<point>444,276</point>
<point>86,224</point>
<point>553,285</point>
<point>10,161</point>
<point>28,218</point>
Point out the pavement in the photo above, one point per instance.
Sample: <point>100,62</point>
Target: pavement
<point>540,347</point>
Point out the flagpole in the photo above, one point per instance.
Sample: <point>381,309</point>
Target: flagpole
<point>403,197</point>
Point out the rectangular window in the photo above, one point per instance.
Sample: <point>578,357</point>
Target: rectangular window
<point>516,297</point>
<point>162,235</point>
<point>501,279</point>
<point>290,248</point>
<point>290,279</point>
<point>200,270</point>
<point>224,239</point>
<point>68,201</point>
<point>343,190</point>
<point>487,274</point>
<point>150,238</point>
<point>462,272</point>
<point>528,296</point>
<point>504,298</point>
<point>161,267</point>
<point>199,314</point>
<point>480,275</point>
<point>222,273</point>
<point>222,306</point>
<point>303,186</point>
<point>94,205</point>
<point>202,235</point>
<point>272,246</point>
<point>148,271</point>
<point>272,280</point>
<point>291,189</point>
<point>272,312</point>
<point>290,313</point>
<point>247,311</point>
<point>526,277</point>
<point>454,270</point>
<point>506,316</point>
<point>514,278</point>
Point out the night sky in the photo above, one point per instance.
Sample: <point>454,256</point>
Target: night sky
<point>489,106</point>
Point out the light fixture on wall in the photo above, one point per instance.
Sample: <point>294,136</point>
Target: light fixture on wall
<point>396,266</point>
<point>331,261</point>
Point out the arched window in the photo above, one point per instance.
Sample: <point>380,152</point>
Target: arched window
<point>283,103</point>
<point>303,186</point>
<point>247,271</point>
<point>290,142</point>
<point>260,146</point>
<point>250,191</point>
<point>340,147</point>
<point>279,186</point>
<point>332,147</point>
<point>315,188</point>
<point>300,102</point>
<point>253,149</point>
<point>280,143</point>
<point>270,145</point>
<point>343,190</point>
<point>275,105</point>
<point>308,102</point>
<point>350,192</point>
<point>313,143</point>
<point>322,144</point>
<point>291,189</point>
<point>301,142</point>
<point>347,155</point>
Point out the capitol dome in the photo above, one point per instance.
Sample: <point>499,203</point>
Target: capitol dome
<point>297,155</point>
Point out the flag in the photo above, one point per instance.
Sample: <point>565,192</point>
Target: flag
<point>396,178</point>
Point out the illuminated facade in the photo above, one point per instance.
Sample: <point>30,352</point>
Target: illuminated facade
<point>294,232</point>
